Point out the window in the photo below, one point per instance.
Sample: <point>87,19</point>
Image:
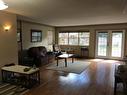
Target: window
<point>84,38</point>
<point>36,35</point>
<point>50,37</point>
<point>63,38</point>
<point>74,38</point>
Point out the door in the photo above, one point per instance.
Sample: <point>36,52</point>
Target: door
<point>110,44</point>
<point>102,44</point>
<point>117,48</point>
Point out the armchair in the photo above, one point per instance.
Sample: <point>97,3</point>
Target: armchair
<point>121,77</point>
<point>57,50</point>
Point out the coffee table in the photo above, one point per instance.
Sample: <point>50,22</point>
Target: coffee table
<point>65,56</point>
<point>19,69</point>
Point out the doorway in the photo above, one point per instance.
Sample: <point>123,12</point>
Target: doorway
<point>110,44</point>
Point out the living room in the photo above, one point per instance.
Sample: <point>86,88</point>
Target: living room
<point>95,18</point>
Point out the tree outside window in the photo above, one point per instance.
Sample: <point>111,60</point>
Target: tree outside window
<point>63,38</point>
<point>74,38</point>
<point>84,38</point>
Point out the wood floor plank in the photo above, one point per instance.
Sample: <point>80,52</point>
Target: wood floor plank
<point>97,79</point>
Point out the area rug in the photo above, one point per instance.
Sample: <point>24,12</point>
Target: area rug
<point>76,67</point>
<point>9,89</point>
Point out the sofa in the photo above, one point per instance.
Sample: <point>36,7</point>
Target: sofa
<point>38,56</point>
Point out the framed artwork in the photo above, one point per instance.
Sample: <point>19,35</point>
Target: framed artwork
<point>36,35</point>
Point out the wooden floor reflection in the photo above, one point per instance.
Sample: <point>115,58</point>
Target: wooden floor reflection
<point>97,79</point>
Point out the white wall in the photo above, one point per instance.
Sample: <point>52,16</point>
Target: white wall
<point>92,29</point>
<point>8,40</point>
<point>26,34</point>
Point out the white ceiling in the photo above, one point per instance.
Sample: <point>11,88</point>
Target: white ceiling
<point>70,12</point>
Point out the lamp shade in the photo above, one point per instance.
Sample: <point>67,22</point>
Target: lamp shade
<point>3,5</point>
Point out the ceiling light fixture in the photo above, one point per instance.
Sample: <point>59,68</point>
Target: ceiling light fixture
<point>3,5</point>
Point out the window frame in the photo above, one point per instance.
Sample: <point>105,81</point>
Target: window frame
<point>69,38</point>
<point>78,37</point>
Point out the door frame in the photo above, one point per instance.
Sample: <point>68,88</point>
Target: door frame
<point>108,56</point>
<point>96,45</point>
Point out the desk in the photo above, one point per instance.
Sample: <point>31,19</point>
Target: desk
<point>65,56</point>
<point>19,69</point>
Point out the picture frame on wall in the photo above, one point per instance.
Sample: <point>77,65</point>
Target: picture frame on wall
<point>36,35</point>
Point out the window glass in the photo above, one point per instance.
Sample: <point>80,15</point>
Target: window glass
<point>73,38</point>
<point>84,38</point>
<point>63,38</point>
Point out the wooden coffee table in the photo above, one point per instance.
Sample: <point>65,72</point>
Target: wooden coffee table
<point>65,56</point>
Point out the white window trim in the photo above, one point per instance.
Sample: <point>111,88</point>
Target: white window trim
<point>78,37</point>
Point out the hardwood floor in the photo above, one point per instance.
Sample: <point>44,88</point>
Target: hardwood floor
<point>97,79</point>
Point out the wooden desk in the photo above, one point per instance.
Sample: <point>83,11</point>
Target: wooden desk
<point>30,74</point>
